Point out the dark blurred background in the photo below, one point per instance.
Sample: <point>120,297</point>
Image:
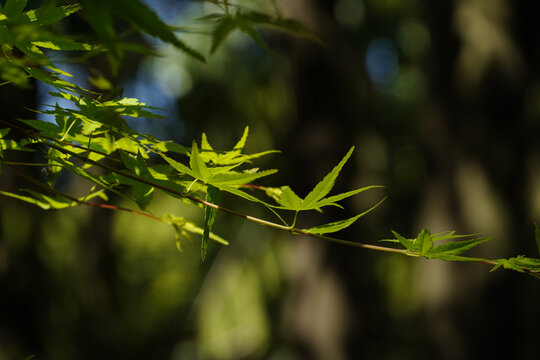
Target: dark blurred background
<point>440,100</point>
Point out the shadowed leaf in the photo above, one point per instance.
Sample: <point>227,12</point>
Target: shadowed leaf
<point>212,196</point>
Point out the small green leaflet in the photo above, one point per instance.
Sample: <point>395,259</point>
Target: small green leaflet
<point>213,195</point>
<point>232,157</point>
<point>127,144</point>
<point>521,264</point>
<point>141,18</point>
<point>323,188</point>
<point>197,165</point>
<point>182,226</point>
<point>219,176</point>
<point>316,198</point>
<point>457,247</point>
<point>239,178</point>
<point>423,245</point>
<point>340,225</point>
<point>222,29</point>
<point>246,21</point>
<point>290,200</point>
<point>406,243</point>
<point>424,242</point>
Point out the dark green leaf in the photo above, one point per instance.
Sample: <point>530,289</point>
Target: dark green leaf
<point>224,27</point>
<point>279,23</point>
<point>212,196</point>
<point>12,8</point>
<point>46,127</point>
<point>145,19</point>
<point>256,36</point>
<point>178,166</point>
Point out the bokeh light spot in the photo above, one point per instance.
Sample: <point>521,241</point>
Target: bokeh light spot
<point>382,62</point>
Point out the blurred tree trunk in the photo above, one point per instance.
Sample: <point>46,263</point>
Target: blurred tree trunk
<point>474,134</point>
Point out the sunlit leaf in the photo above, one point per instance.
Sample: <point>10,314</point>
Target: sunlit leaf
<point>191,227</point>
<point>62,44</point>
<point>242,142</point>
<point>424,242</point>
<point>178,166</point>
<point>407,243</point>
<point>197,165</point>
<point>339,225</point>
<point>290,200</point>
<point>457,247</point>
<point>127,144</point>
<point>47,15</point>
<point>9,144</point>
<point>236,178</point>
<point>331,200</point>
<point>325,186</point>
<point>242,194</point>
<point>205,145</point>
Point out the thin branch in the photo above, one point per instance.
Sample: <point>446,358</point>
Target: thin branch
<point>259,221</point>
<point>74,199</point>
